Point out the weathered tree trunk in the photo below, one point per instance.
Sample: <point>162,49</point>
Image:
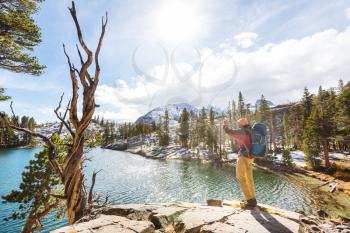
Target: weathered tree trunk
<point>28,226</point>
<point>326,153</point>
<point>73,185</point>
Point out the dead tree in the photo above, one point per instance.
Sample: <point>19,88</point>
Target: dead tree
<point>72,168</point>
<point>71,171</point>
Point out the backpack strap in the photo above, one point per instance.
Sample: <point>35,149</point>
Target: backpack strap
<point>245,146</point>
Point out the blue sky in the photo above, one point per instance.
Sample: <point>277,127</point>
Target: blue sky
<point>197,51</point>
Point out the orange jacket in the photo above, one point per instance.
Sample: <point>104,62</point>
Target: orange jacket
<point>243,140</point>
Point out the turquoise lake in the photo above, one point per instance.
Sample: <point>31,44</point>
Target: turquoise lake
<point>130,178</point>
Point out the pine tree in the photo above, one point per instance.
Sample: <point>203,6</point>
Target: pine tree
<point>327,125</point>
<point>340,85</point>
<point>241,106</point>
<point>202,122</point>
<point>194,130</point>
<point>106,134</point>
<point>19,35</point>
<point>343,114</point>
<point>166,121</point>
<point>234,114</point>
<point>263,113</point>
<point>211,134</point>
<point>311,140</point>
<point>184,128</point>
<point>285,131</point>
<point>307,105</point>
<point>163,133</point>
<point>40,186</point>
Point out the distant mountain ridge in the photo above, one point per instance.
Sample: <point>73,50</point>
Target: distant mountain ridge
<point>175,110</point>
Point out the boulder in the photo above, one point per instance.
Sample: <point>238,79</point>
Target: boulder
<point>165,216</point>
<point>131,211</point>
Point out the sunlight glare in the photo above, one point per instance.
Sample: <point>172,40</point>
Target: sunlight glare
<point>176,22</point>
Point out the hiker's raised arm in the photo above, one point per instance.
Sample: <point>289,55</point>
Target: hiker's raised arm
<point>236,133</point>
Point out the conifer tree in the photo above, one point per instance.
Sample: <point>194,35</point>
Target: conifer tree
<point>202,122</point>
<point>327,126</point>
<point>19,35</point>
<point>343,117</point>
<point>285,131</point>
<point>39,190</point>
<point>307,105</point>
<point>194,130</point>
<point>263,113</point>
<point>311,140</point>
<point>211,134</point>
<point>241,106</point>
<point>340,85</point>
<point>234,113</point>
<point>163,133</point>
<point>184,128</point>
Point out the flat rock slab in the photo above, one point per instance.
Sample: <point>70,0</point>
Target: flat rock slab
<point>109,223</point>
<point>219,227</point>
<point>269,209</point>
<point>193,220</point>
<point>262,222</point>
<point>196,218</point>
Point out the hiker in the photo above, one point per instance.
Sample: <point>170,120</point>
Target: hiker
<point>244,166</point>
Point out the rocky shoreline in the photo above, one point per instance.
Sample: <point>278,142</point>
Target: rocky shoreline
<point>216,217</point>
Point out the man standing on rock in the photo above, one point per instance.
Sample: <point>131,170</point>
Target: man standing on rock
<point>244,166</point>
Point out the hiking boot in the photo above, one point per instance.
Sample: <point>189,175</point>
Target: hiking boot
<point>249,204</point>
<point>252,202</point>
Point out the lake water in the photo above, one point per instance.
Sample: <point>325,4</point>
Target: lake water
<point>130,178</point>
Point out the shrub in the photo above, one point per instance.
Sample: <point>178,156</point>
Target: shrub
<point>286,158</point>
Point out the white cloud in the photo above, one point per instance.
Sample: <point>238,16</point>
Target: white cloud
<point>245,39</point>
<point>279,71</point>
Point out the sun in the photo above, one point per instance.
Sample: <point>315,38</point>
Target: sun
<point>176,21</point>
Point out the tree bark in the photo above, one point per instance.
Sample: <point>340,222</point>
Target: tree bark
<point>28,226</point>
<point>326,153</point>
<point>73,185</point>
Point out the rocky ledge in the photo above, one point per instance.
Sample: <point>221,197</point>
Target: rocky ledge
<point>224,217</point>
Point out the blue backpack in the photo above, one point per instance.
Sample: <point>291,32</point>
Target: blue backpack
<point>259,140</point>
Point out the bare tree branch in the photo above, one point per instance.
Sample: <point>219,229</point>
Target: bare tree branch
<point>97,71</point>
<point>68,59</point>
<point>74,101</point>
<point>50,145</point>
<point>63,118</point>
<point>88,62</point>
<point>13,114</point>
<point>90,202</point>
<point>88,76</point>
<point>80,56</point>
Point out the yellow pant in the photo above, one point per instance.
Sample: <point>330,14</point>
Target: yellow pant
<point>244,175</point>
